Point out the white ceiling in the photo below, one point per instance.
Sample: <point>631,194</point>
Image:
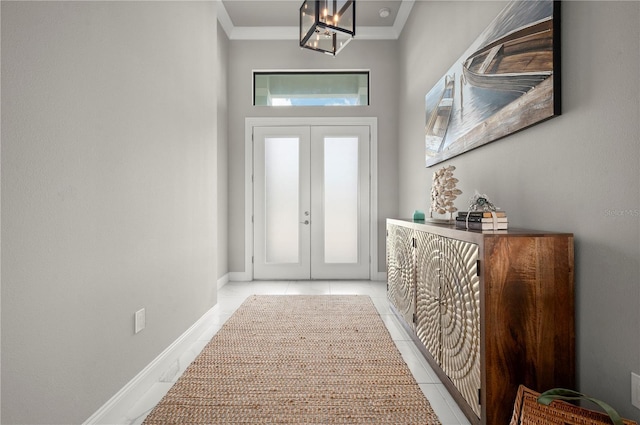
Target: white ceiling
<point>278,19</point>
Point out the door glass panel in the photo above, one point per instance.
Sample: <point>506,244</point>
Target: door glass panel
<point>341,199</point>
<point>281,158</point>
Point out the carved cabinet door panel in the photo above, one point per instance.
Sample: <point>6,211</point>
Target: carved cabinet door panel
<point>429,251</point>
<point>400,271</point>
<point>460,318</point>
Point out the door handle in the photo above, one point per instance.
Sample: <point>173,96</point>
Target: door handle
<point>306,222</point>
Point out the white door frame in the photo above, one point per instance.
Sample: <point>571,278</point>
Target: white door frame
<point>252,122</point>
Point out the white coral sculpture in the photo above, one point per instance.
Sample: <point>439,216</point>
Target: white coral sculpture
<point>444,192</point>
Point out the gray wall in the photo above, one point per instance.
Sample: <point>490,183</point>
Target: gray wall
<point>223,147</point>
<point>108,195</point>
<point>380,57</point>
<point>578,172</point>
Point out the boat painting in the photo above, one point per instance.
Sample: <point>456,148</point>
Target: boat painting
<point>438,121</point>
<point>518,61</point>
<point>508,79</point>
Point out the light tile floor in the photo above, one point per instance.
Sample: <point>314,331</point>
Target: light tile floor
<point>233,294</point>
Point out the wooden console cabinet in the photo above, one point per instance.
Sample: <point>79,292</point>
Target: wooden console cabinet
<point>489,310</point>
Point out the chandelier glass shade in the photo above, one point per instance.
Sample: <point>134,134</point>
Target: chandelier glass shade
<point>327,25</point>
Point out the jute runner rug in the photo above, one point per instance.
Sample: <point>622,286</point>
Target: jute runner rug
<point>297,359</point>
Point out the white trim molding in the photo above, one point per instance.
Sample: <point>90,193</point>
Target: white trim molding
<point>240,276</point>
<point>223,280</point>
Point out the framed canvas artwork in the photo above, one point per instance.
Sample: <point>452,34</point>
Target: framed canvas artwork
<point>507,80</point>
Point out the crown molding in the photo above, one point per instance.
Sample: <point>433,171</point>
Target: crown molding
<point>223,18</point>
<point>292,33</point>
<point>402,16</point>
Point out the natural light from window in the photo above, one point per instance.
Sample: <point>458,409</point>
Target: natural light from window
<point>311,88</point>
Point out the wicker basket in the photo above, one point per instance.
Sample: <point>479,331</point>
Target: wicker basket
<point>527,411</point>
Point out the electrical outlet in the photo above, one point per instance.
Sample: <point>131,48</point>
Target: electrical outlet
<point>635,390</point>
<point>140,320</point>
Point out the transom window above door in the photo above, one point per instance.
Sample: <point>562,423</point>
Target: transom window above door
<point>311,88</point>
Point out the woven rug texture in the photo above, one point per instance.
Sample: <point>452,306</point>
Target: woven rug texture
<point>297,359</point>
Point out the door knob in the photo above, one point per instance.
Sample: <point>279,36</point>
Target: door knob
<point>304,222</point>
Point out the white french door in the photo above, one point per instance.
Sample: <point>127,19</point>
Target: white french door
<point>282,203</point>
<point>311,197</point>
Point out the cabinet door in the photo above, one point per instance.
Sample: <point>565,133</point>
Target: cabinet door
<point>429,250</point>
<point>460,318</point>
<point>400,271</point>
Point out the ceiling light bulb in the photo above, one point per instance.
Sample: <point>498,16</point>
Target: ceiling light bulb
<point>384,12</point>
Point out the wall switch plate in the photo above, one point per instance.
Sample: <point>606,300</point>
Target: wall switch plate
<point>140,320</point>
<point>635,390</point>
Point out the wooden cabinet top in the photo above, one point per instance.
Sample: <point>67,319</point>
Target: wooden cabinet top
<point>450,230</point>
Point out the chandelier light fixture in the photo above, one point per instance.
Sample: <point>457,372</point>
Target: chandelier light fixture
<point>327,25</point>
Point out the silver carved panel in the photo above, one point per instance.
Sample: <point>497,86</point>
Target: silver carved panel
<point>400,271</point>
<point>429,251</point>
<point>448,309</point>
<point>460,318</point>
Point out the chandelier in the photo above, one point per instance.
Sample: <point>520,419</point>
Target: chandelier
<point>327,25</point>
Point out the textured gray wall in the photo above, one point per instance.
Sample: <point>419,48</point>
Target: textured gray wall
<point>108,195</point>
<point>578,172</point>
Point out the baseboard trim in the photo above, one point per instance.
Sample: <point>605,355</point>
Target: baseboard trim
<point>118,406</point>
<point>223,280</point>
<point>246,277</point>
<point>239,276</point>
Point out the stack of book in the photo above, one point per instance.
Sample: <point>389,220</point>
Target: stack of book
<point>482,220</point>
